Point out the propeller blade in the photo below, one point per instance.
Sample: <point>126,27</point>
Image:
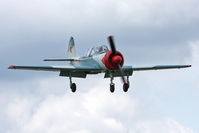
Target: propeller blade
<point>112,45</point>
<point>121,73</point>
<point>116,59</point>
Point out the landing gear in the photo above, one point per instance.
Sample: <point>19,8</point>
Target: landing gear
<point>112,86</point>
<point>72,85</point>
<point>126,85</point>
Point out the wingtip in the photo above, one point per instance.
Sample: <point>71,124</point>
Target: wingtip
<point>12,67</point>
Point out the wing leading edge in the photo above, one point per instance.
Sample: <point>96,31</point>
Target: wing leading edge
<point>128,70</point>
<point>73,71</point>
<point>89,68</point>
<point>82,71</point>
<point>55,68</point>
<point>160,67</point>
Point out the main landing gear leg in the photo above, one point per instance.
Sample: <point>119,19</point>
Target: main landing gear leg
<point>126,85</point>
<point>72,85</point>
<point>112,85</point>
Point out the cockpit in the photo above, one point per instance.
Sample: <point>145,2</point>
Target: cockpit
<point>97,50</point>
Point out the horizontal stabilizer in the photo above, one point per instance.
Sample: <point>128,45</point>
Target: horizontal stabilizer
<point>61,60</point>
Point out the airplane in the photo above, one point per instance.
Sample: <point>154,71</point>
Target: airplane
<point>97,60</point>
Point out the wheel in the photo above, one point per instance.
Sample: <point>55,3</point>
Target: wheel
<point>112,88</point>
<point>125,87</point>
<point>73,87</point>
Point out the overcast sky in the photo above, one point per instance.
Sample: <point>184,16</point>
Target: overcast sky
<point>147,32</point>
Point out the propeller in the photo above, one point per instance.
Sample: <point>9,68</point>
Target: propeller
<point>112,45</point>
<point>116,58</point>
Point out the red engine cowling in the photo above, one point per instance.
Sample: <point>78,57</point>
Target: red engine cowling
<point>111,61</point>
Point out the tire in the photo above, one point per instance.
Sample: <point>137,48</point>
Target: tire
<point>73,87</point>
<point>112,88</point>
<point>125,87</point>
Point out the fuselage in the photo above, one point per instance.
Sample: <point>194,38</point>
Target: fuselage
<point>95,60</point>
<point>100,58</point>
<point>103,61</point>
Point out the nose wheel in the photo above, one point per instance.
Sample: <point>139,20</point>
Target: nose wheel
<point>112,88</point>
<point>112,85</point>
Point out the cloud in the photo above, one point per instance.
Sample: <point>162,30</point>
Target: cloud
<point>40,105</point>
<point>155,31</point>
<point>195,63</point>
<point>43,27</point>
<point>165,125</point>
<point>195,54</point>
<point>79,12</point>
<point>94,110</point>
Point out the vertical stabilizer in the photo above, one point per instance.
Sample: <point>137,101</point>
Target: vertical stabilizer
<point>71,49</point>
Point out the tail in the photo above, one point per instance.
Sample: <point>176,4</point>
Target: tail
<point>71,49</point>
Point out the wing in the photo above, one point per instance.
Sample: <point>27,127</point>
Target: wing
<point>160,67</point>
<point>128,70</point>
<point>82,71</point>
<point>73,71</point>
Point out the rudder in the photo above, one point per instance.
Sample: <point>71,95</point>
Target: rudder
<point>71,49</point>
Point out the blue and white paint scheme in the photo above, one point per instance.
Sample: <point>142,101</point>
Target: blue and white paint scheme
<point>97,60</point>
